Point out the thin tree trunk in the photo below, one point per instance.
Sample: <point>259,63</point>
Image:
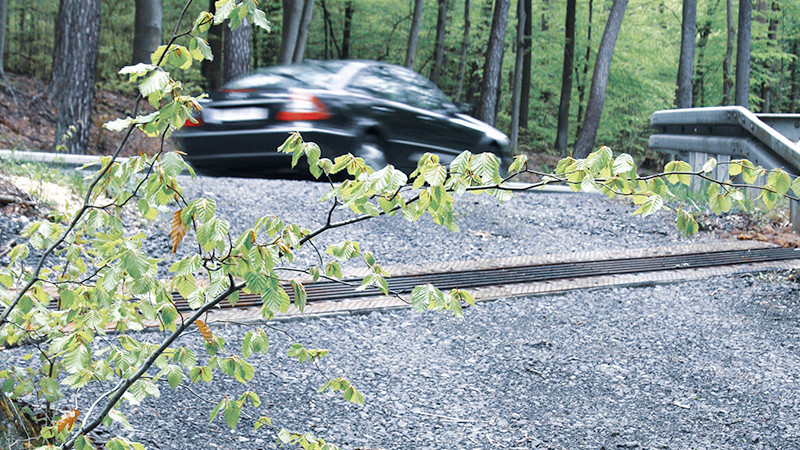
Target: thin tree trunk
<point>525,98</point>
<point>212,70</point>
<point>794,82</point>
<point>292,13</point>
<point>586,60</point>
<point>3,19</point>
<point>441,33</point>
<point>698,87</point>
<point>462,66</point>
<point>515,99</point>
<point>74,67</point>
<point>742,91</point>
<point>237,51</point>
<point>302,33</point>
<point>413,34</point>
<point>683,97</point>
<point>487,108</point>
<point>566,79</point>
<point>147,30</point>
<point>770,63</point>
<point>348,27</point>
<point>597,92</point>
<point>727,72</point>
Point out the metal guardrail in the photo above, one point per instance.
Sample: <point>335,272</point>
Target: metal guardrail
<point>694,134</point>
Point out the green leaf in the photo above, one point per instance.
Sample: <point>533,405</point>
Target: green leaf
<point>156,82</point>
<point>599,159</point>
<point>426,296</point>
<point>686,223</point>
<point>709,165</point>
<point>299,294</point>
<point>223,9</point>
<point>652,203</point>
<point>260,19</point>
<point>796,187</point>
<point>486,167</point>
<point>623,164</point>
<point>780,181</point>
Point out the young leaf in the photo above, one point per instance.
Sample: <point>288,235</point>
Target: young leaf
<point>177,230</point>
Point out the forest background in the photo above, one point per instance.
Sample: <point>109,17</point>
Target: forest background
<point>642,76</point>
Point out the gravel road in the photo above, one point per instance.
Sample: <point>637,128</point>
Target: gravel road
<point>702,364</point>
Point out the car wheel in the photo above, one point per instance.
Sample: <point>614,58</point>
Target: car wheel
<point>372,151</point>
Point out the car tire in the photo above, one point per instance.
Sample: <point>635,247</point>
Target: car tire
<point>372,151</point>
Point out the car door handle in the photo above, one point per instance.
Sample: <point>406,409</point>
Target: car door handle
<point>381,109</point>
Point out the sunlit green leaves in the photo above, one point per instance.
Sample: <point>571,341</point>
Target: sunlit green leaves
<point>302,354</point>
<point>652,203</point>
<point>686,223</point>
<point>718,199</point>
<point>678,172</point>
<point>342,385</point>
<point>255,342</point>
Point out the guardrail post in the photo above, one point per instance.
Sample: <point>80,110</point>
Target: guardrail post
<point>794,215</point>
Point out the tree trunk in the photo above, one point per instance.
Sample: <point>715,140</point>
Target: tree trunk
<point>441,32</point>
<point>413,34</point>
<point>515,98</point>
<point>347,29</point>
<point>727,72</point>
<point>302,32</point>
<point>237,51</point>
<point>597,92</point>
<point>292,14</point>
<point>74,67</point>
<point>212,70</point>
<point>566,79</point>
<point>3,20</point>
<point>586,60</point>
<point>770,63</point>
<point>462,66</point>
<point>487,108</point>
<point>147,30</point>
<point>525,98</point>
<point>742,92</point>
<point>794,83</point>
<point>683,98</point>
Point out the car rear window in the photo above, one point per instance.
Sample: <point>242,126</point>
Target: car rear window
<point>313,75</point>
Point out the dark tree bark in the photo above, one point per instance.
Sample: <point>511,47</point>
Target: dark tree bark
<point>683,97</point>
<point>3,20</point>
<point>584,78</point>
<point>74,67</point>
<point>413,34</point>
<point>237,51</point>
<point>462,66</point>
<point>347,29</point>
<point>525,98</point>
<point>212,70</point>
<point>566,79</point>
<point>742,92</point>
<point>290,25</point>
<point>147,30</point>
<point>727,72</point>
<point>515,98</point>
<point>441,32</point>
<point>487,108</point>
<point>302,32</point>
<point>597,92</point>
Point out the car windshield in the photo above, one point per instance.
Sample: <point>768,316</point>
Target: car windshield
<point>314,75</point>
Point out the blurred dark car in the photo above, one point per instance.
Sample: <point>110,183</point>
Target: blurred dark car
<point>381,112</point>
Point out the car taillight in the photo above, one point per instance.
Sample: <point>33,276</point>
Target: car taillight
<point>303,106</point>
<point>190,124</point>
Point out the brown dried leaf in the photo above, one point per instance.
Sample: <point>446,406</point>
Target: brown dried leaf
<point>177,230</point>
<point>205,330</point>
<point>67,420</point>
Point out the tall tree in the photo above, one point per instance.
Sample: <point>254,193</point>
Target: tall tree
<point>290,26</point>
<point>770,63</point>
<point>347,29</point>
<point>727,72</point>
<point>147,30</point>
<point>525,98</point>
<point>413,34</point>
<point>566,78</point>
<point>462,65</point>
<point>212,70</point>
<point>683,97</point>
<point>515,98</point>
<point>490,84</point>
<point>441,32</point>
<point>3,20</point>
<point>73,75</point>
<point>698,85</point>
<point>237,51</point>
<point>586,59</point>
<point>742,91</point>
<point>597,92</point>
<point>303,30</point>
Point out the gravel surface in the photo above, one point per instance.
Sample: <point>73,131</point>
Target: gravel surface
<point>703,364</point>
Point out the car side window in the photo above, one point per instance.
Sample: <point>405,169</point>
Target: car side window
<point>420,92</point>
<point>377,82</point>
